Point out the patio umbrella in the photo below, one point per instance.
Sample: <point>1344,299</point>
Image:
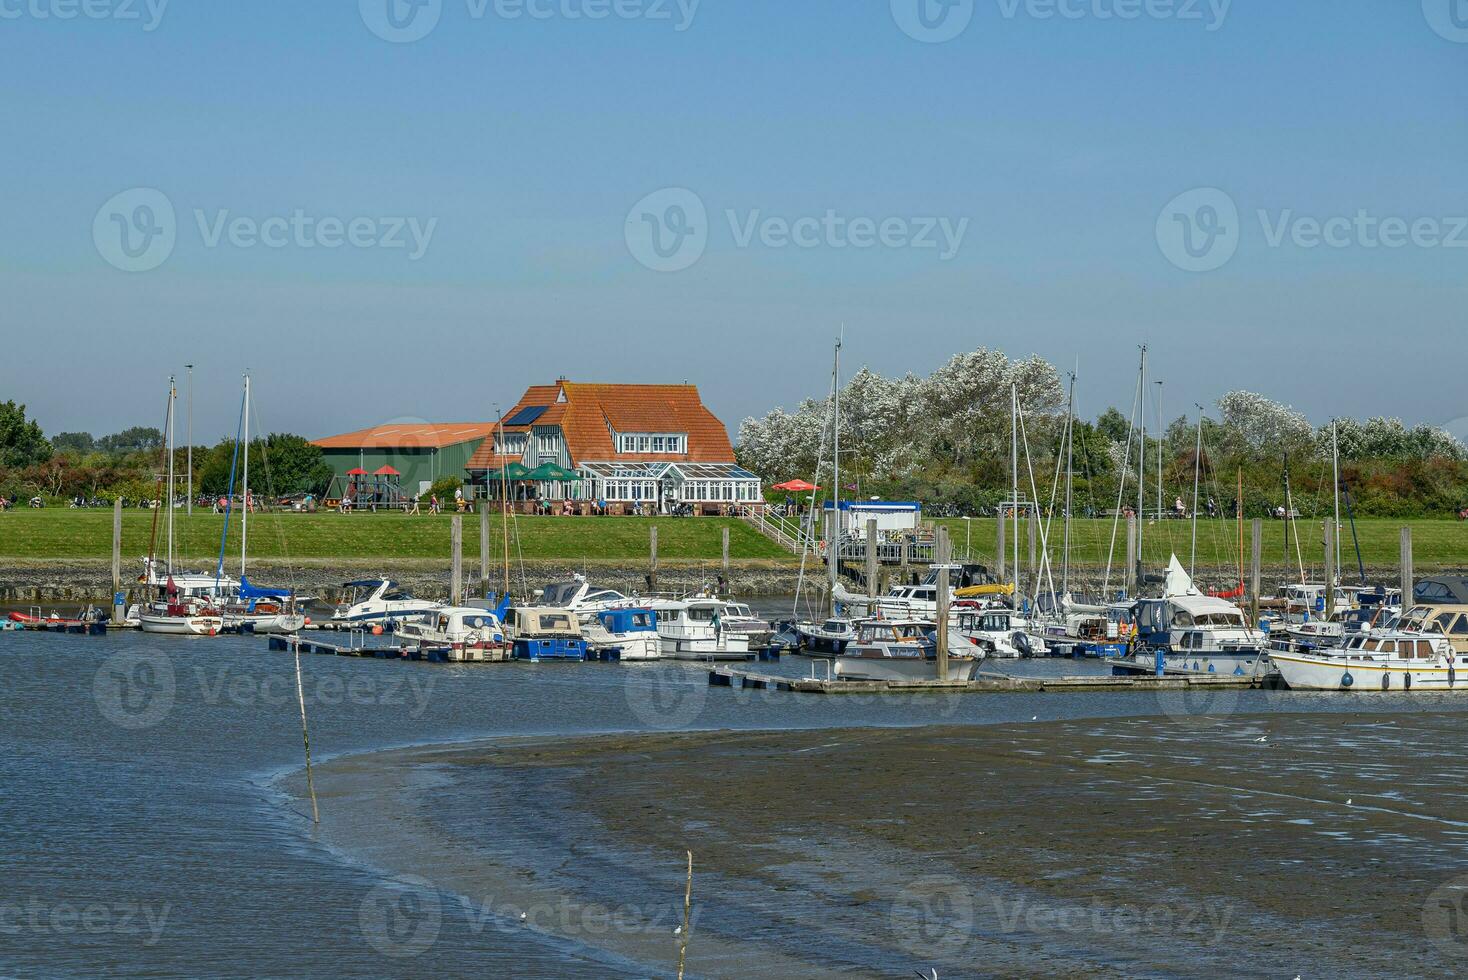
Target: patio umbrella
<point>551,472</point>
<point>512,472</point>
<point>795,486</point>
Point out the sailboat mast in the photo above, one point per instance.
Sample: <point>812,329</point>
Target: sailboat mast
<point>245,484</point>
<point>833,550</point>
<point>1335,465</point>
<point>1014,477</point>
<point>1070,440</point>
<point>1142,466</point>
<point>168,496</point>
<point>1197,473</point>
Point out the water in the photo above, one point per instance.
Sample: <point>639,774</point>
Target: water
<point>150,825</point>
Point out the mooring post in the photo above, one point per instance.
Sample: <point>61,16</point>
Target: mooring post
<point>1132,582</point>
<point>1329,569</point>
<point>652,574</point>
<point>1255,561</point>
<point>871,559</point>
<point>119,602</point>
<point>456,579</point>
<point>940,550</point>
<point>999,546</point>
<point>484,548</point>
<point>1408,582</point>
<point>726,553</point>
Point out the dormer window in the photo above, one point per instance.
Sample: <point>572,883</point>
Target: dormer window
<point>652,442</point>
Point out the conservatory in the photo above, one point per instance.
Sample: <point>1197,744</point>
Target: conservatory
<point>706,487</point>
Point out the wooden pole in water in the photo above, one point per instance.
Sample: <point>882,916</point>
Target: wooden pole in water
<point>305,732</point>
<point>871,559</point>
<point>1256,558</point>
<point>456,579</point>
<point>1000,548</point>
<point>484,548</point>
<point>1408,580</point>
<point>1131,556</point>
<point>118,613</point>
<point>941,549</point>
<point>1329,569</point>
<point>687,915</point>
<point>725,547</point>
<point>653,556</point>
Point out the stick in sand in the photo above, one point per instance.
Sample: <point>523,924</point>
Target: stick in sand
<point>687,905</point>
<point>306,735</point>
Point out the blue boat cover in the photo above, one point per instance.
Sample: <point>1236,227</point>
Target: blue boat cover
<point>248,591</point>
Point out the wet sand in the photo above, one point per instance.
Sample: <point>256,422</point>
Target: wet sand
<point>1276,845</point>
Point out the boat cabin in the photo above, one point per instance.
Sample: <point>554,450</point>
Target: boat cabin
<point>624,621</point>
<point>1449,620</point>
<point>541,633</point>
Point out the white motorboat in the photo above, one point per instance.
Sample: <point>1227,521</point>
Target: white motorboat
<point>583,598</point>
<point>376,602</point>
<point>900,650</point>
<point>693,629</point>
<point>632,632</point>
<point>1197,632</point>
<point>918,601</point>
<point>739,618</point>
<point>1391,659</point>
<point>999,632</point>
<point>826,638</point>
<point>458,634</point>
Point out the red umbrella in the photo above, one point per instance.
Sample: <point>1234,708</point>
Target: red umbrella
<point>796,486</point>
<point>386,471</point>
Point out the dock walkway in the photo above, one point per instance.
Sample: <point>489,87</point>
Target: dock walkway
<point>986,682</point>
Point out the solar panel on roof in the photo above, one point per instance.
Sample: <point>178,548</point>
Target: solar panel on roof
<point>526,415</point>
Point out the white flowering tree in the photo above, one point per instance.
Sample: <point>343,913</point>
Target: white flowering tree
<point>1262,426</point>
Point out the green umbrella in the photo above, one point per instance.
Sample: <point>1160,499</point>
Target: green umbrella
<point>512,472</point>
<point>551,472</point>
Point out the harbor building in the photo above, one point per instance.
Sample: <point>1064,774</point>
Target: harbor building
<point>650,449</point>
<point>401,458</point>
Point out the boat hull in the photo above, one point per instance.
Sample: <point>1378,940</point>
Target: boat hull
<point>901,668</point>
<point>181,625</point>
<point>1314,673</point>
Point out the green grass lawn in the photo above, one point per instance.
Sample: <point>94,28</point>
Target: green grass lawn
<point>1434,542</point>
<point>65,533</point>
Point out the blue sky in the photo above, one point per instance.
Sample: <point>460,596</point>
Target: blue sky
<point>523,144</point>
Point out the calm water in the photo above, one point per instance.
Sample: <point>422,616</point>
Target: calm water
<point>146,829</point>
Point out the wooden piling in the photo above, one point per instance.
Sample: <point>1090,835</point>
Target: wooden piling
<point>456,578</point>
<point>1132,582</point>
<point>940,551</point>
<point>119,612</point>
<point>1330,569</point>
<point>687,915</point>
<point>484,549</point>
<point>1255,561</point>
<point>871,573</point>
<point>1000,548</point>
<point>1408,580</point>
<point>652,563</point>
<point>726,553</point>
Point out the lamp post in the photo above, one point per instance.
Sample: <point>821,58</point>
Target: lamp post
<point>190,431</point>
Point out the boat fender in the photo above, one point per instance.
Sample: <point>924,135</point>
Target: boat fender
<point>1386,681</point>
<point>1407,680</point>
<point>1347,680</point>
<point>1451,676</point>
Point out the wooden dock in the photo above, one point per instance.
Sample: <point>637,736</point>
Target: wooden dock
<point>986,682</point>
<point>330,649</point>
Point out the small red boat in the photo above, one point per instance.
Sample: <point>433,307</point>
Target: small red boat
<point>87,623</point>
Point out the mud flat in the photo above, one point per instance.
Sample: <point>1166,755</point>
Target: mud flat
<point>1270,845</point>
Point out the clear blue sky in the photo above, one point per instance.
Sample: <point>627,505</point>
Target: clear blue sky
<point>1060,140</point>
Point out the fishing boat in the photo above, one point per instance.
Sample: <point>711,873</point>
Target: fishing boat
<point>379,602</point>
<point>455,634</point>
<point>538,633</point>
<point>899,650</point>
<point>693,629</point>
<point>1385,659</point>
<point>632,633</point>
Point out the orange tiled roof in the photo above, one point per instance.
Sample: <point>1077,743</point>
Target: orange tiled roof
<point>409,436</point>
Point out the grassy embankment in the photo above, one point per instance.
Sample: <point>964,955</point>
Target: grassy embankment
<point>1435,543</point>
<point>56,533</point>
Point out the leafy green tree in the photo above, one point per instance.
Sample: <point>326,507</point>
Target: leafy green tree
<point>21,441</point>
<point>77,442</point>
<point>131,440</point>
<point>291,464</point>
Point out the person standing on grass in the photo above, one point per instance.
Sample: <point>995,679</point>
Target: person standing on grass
<point>433,503</point>
<point>415,509</point>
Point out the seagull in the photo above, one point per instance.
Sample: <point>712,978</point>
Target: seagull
<point>1262,738</point>
<point>1035,718</point>
<point>678,931</point>
<point>523,916</point>
<point>1348,803</point>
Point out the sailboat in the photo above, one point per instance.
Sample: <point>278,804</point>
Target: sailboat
<point>175,611</point>
<point>248,607</point>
